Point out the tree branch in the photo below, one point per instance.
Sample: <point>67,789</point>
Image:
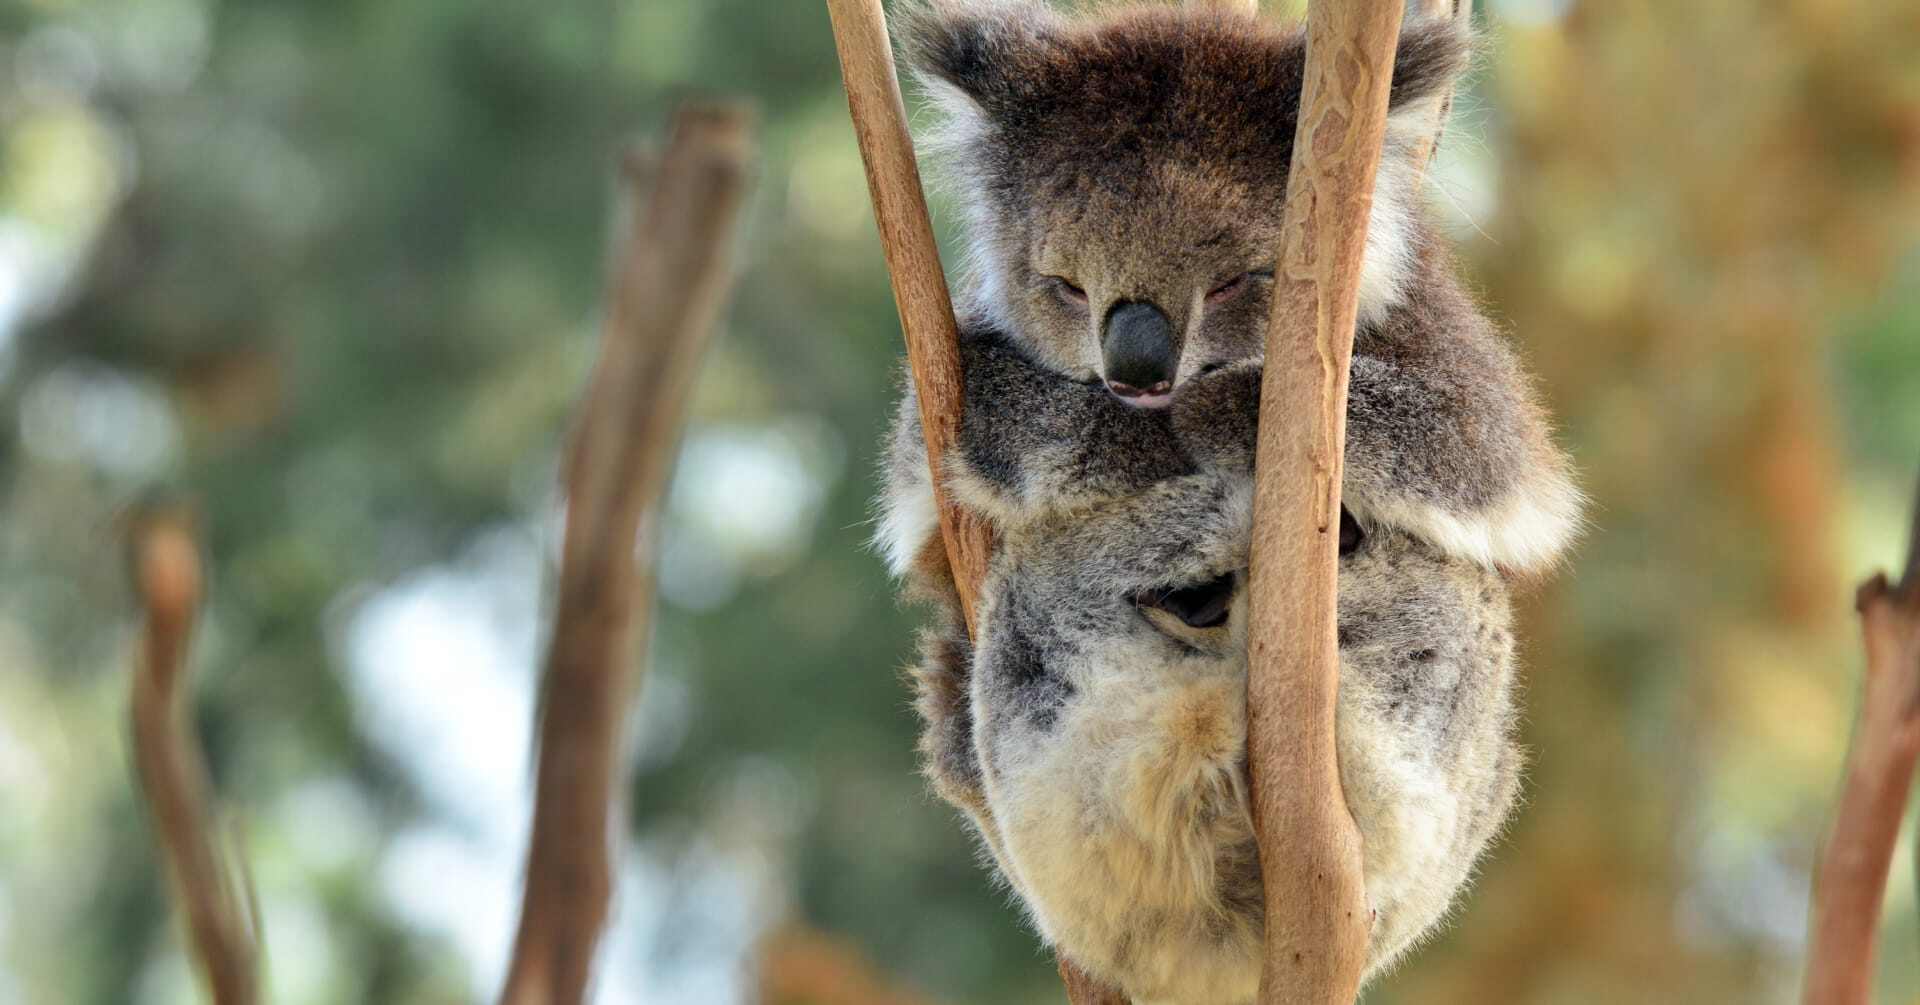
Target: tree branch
<point>221,925</point>
<point>913,262</point>
<point>926,308</point>
<point>1910,575</point>
<point>669,281</point>
<point>1852,877</point>
<point>1461,11</point>
<point>1317,919</point>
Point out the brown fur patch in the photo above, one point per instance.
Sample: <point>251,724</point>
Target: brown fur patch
<point>1144,83</point>
<point>1203,727</point>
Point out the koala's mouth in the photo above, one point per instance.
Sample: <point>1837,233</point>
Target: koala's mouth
<point>1158,395</point>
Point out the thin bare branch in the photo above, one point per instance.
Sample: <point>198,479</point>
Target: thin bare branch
<point>222,929</point>
<point>1317,920</point>
<point>1852,878</point>
<point>925,305</point>
<point>913,262</point>
<point>1461,11</point>
<point>668,284</point>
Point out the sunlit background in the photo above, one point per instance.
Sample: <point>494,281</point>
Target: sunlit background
<point>331,271</point>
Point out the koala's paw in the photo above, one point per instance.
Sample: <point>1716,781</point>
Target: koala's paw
<point>940,686</point>
<point>1460,459</point>
<point>1216,416</point>
<point>1036,443</point>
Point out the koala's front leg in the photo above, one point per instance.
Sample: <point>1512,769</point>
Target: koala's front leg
<point>1445,445</point>
<point>940,684</point>
<point>1452,449</point>
<point>1033,443</point>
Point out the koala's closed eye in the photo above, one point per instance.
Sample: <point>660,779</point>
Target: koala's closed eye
<point>1230,288</point>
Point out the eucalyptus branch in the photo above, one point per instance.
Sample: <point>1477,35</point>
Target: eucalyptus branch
<point>222,926</point>
<point>669,280</point>
<point>1852,879</point>
<point>1317,919</point>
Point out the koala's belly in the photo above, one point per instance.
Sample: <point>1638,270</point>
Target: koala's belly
<point>1114,765</point>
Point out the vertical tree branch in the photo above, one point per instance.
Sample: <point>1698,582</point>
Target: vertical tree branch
<point>1317,919</point>
<point>221,926</point>
<point>669,281</point>
<point>926,308</point>
<point>1852,877</point>
<point>913,262</point>
<point>1461,11</point>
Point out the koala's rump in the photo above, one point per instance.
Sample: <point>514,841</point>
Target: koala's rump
<point>1115,780</point>
<point>1113,763</point>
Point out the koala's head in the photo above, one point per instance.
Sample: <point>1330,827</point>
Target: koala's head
<point>1124,176</point>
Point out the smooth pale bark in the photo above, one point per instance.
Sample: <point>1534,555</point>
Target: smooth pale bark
<point>1317,919</point>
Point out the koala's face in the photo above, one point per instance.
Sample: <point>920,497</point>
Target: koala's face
<point>1124,177</point>
<point>1139,274</point>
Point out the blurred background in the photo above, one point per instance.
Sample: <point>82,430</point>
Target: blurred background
<point>331,271</point>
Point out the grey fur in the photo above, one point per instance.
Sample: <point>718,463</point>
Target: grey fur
<point>1095,740</point>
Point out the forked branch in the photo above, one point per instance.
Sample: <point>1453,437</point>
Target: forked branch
<point>668,283</point>
<point>1852,877</point>
<point>223,932</point>
<point>1317,919</point>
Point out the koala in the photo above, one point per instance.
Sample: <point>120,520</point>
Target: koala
<point>1122,177</point>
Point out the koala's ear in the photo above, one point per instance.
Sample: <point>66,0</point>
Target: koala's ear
<point>983,49</point>
<point>1433,55</point>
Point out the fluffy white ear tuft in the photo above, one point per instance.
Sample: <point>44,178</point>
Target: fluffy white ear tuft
<point>961,122</point>
<point>1433,55</point>
<point>1391,255</point>
<point>983,48</point>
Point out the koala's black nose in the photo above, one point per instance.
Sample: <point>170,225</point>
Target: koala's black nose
<point>1137,350</point>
